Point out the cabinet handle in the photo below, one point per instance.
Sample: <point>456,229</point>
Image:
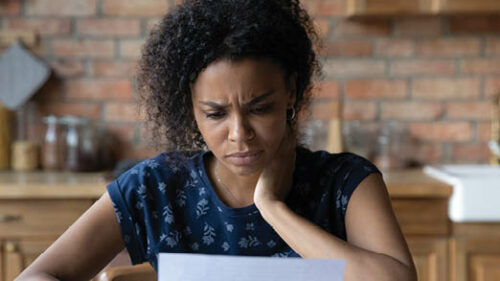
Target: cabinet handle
<point>10,247</point>
<point>10,218</point>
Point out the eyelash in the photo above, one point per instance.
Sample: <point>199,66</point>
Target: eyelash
<point>258,110</point>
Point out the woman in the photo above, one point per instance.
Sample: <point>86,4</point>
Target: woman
<point>231,76</point>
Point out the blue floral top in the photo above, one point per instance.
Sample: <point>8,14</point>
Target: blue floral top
<point>167,204</point>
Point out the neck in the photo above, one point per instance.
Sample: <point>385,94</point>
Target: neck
<point>235,190</point>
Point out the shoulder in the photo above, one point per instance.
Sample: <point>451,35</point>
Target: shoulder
<point>340,173</point>
<point>166,166</point>
<point>344,163</point>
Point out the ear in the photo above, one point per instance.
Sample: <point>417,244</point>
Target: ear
<point>292,90</point>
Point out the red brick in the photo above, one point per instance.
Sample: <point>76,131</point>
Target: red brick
<point>83,48</point>
<point>493,46</point>
<point>322,109</point>
<point>131,49</point>
<point>424,152</point>
<point>484,131</point>
<point>120,69</point>
<point>467,153</point>
<point>446,88</point>
<point>356,110</point>
<point>411,110</point>
<point>39,49</point>
<point>325,7</point>
<point>68,68</point>
<point>449,47</point>
<point>420,26</point>
<point>82,109</point>
<point>121,112</point>
<point>376,88</point>
<point>395,47</point>
<point>422,67</point>
<point>481,66</point>
<point>43,26</point>
<point>61,7</point>
<point>10,8</point>
<point>136,152</point>
<point>98,89</point>
<point>492,87</point>
<point>475,24</point>
<point>124,132</point>
<point>442,131</point>
<point>348,48</point>
<point>354,67</point>
<point>326,90</point>
<point>134,7</point>
<point>322,27</point>
<point>109,27</point>
<point>373,27</point>
<point>469,110</point>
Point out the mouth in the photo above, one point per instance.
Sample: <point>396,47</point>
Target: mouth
<point>244,158</point>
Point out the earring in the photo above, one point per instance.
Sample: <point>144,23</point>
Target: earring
<point>291,116</point>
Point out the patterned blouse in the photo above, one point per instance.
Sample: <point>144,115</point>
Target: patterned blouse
<point>167,204</point>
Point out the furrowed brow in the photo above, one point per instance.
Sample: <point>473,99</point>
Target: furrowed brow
<point>214,104</point>
<point>251,102</point>
<point>260,98</point>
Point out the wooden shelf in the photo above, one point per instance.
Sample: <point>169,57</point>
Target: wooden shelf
<point>419,7</point>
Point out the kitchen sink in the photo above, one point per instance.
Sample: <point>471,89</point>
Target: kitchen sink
<point>476,191</point>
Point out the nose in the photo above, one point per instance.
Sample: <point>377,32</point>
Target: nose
<point>240,129</point>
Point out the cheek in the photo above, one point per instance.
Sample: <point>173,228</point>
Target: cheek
<point>273,131</point>
<point>212,135</point>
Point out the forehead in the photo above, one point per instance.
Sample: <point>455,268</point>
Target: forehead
<point>245,78</point>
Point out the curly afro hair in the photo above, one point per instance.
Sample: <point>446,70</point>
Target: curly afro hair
<point>199,32</point>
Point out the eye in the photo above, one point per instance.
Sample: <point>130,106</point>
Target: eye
<point>215,115</point>
<point>262,109</point>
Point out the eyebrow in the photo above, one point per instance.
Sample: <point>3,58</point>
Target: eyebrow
<point>251,102</point>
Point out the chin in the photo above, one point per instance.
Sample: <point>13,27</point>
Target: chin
<point>246,170</point>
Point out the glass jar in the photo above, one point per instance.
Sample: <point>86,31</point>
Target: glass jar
<point>387,153</point>
<point>72,140</point>
<point>53,145</point>
<point>89,148</point>
<point>25,147</point>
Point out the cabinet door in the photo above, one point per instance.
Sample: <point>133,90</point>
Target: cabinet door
<point>476,259</point>
<point>19,254</point>
<point>430,256</point>
<point>388,7</point>
<point>468,6</point>
<point>2,268</point>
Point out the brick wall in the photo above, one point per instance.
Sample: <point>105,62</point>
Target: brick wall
<point>433,75</point>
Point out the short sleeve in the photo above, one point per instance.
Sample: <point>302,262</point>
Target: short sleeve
<point>123,194</point>
<point>356,169</point>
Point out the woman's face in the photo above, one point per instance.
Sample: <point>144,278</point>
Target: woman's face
<point>240,108</point>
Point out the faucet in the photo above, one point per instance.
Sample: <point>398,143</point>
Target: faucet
<point>494,143</point>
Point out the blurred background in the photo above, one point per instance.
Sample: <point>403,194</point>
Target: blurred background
<point>427,77</point>
<point>406,83</point>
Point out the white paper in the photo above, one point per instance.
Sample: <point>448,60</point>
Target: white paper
<point>196,267</point>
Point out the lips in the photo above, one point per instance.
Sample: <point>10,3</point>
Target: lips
<point>244,158</point>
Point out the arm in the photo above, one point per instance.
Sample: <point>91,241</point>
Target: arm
<point>84,249</point>
<point>375,247</point>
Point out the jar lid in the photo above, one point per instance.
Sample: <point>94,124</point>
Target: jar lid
<point>51,119</point>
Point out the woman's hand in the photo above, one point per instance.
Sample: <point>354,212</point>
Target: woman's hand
<point>276,179</point>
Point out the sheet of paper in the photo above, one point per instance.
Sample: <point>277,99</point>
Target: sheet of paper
<point>194,267</point>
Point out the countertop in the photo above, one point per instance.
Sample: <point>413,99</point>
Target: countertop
<point>51,185</point>
<point>63,185</point>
